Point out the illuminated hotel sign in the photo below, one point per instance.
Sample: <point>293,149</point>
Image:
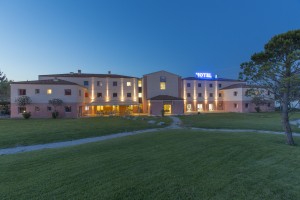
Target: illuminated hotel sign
<point>203,75</point>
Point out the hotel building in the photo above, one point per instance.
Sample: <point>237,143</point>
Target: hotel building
<point>111,94</point>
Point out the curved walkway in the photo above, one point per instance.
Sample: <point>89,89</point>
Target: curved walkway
<point>176,124</point>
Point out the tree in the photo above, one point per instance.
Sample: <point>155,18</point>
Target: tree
<point>23,101</point>
<point>4,88</point>
<point>55,103</point>
<point>277,69</point>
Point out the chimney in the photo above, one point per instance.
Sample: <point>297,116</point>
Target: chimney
<point>79,71</point>
<point>109,72</point>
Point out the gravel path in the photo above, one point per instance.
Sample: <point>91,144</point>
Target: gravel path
<point>176,124</point>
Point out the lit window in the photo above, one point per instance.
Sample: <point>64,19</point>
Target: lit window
<point>49,91</point>
<point>139,83</point>
<point>37,91</point>
<point>68,92</point>
<point>86,95</point>
<point>128,83</point>
<point>189,107</point>
<point>140,95</point>
<point>162,85</point>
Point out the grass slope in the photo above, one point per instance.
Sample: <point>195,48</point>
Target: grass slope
<point>257,121</point>
<point>164,165</point>
<point>38,131</point>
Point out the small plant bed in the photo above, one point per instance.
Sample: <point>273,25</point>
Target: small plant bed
<point>256,121</point>
<point>166,165</point>
<point>18,132</point>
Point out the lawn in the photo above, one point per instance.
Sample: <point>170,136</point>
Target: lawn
<point>164,165</point>
<point>257,121</point>
<point>17,132</point>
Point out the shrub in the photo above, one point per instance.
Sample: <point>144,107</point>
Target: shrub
<point>26,115</point>
<point>55,114</point>
<point>257,109</point>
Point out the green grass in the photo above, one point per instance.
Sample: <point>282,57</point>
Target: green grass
<point>38,131</point>
<point>257,121</point>
<point>164,165</point>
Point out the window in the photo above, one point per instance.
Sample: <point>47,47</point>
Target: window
<point>220,85</point>
<point>128,83</point>
<point>235,93</point>
<point>86,95</point>
<point>269,105</point>
<point>235,105</point>
<point>79,93</point>
<point>68,109</point>
<point>49,108</point>
<point>189,107</point>
<point>99,95</point>
<point>49,91</point>
<point>162,85</point>
<point>128,94</point>
<point>199,84</point>
<point>188,94</point>
<point>140,95</point>
<point>68,92</point>
<point>37,109</point>
<point>115,94</point>
<point>188,85</point>
<point>99,83</point>
<point>246,105</point>
<point>22,92</point>
<point>37,91</point>
<point>21,109</point>
<point>220,94</point>
<point>199,94</point>
<point>210,85</point>
<point>85,83</point>
<point>115,83</point>
<point>210,94</point>
<point>163,79</point>
<point>139,83</point>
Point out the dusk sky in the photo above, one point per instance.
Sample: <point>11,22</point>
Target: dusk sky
<point>137,37</point>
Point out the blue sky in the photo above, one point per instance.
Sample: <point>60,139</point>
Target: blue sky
<point>137,37</point>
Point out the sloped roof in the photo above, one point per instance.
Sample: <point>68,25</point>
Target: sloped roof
<point>165,97</point>
<point>213,79</point>
<point>239,85</point>
<point>160,72</point>
<point>46,82</point>
<point>84,75</point>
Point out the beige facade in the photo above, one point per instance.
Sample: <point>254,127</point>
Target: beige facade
<point>110,94</point>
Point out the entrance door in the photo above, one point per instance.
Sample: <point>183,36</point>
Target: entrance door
<point>199,107</point>
<point>210,107</point>
<point>168,108</point>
